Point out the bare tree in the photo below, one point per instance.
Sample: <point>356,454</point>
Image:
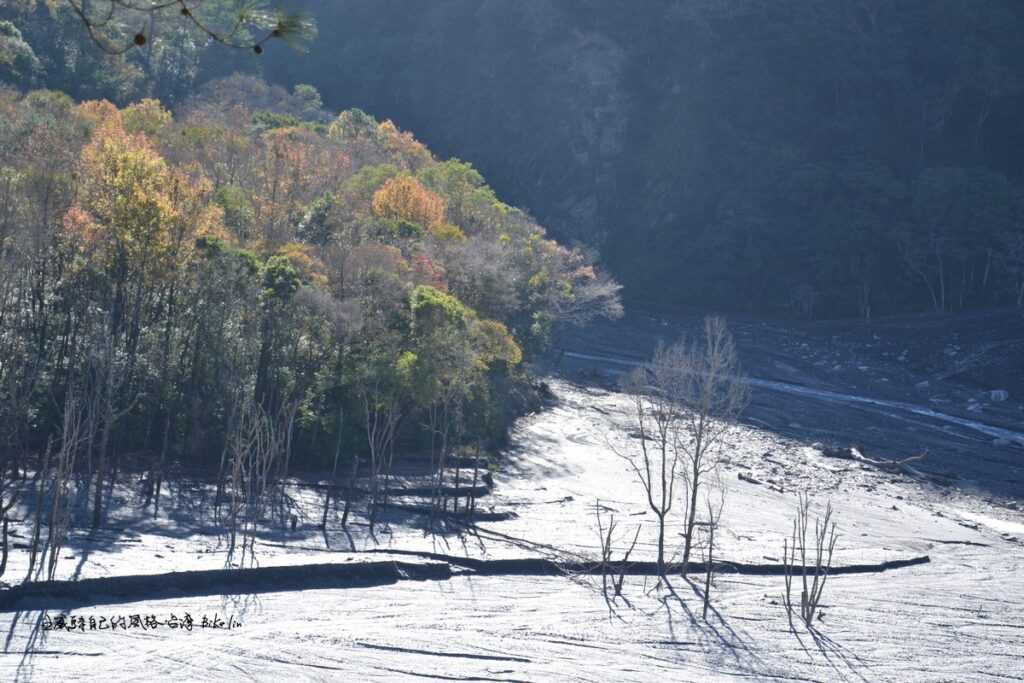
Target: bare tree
<point>382,412</point>
<point>110,385</point>
<point>256,447</point>
<point>714,392</point>
<point>611,586</point>
<point>445,423</point>
<point>824,540</point>
<point>714,508</point>
<point>656,420</point>
<point>683,403</point>
<point>72,437</point>
<point>42,476</point>
<point>714,504</point>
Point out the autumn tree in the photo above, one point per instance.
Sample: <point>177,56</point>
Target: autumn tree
<point>404,200</point>
<point>170,277</point>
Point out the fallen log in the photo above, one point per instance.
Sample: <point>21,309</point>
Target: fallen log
<point>138,587</point>
<point>399,491</point>
<point>460,516</point>
<point>545,566</point>
<point>446,491</point>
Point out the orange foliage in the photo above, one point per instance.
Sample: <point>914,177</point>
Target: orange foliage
<point>293,167</point>
<point>134,213</point>
<point>403,198</point>
<point>426,272</point>
<point>403,147</point>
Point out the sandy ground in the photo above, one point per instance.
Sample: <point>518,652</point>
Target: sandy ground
<point>960,617</point>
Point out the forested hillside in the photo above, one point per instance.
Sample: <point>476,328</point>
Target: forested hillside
<point>833,158</point>
<point>186,287</point>
<point>823,159</point>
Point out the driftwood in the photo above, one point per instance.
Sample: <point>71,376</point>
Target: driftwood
<point>894,466</point>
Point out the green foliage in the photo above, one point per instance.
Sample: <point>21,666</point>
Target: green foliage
<point>464,187</point>
<point>446,232</point>
<point>52,101</point>
<point>404,229</point>
<point>306,270</point>
<point>368,180</point>
<point>496,344</point>
<point>405,366</point>
<point>280,278</point>
<point>432,308</point>
<point>315,226</point>
<point>540,329</point>
<point>309,99</point>
<point>354,125</point>
<point>238,211</point>
<point>18,62</point>
<point>248,259</point>
<point>268,120</point>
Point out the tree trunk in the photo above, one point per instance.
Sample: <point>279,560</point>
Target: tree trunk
<point>3,556</point>
<point>661,545</point>
<point>101,467</point>
<point>349,489</point>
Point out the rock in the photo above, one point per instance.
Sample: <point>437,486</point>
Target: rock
<point>998,395</point>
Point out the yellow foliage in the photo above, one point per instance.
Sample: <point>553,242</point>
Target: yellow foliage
<point>497,344</point>
<point>134,213</point>
<point>403,198</point>
<point>98,112</point>
<point>446,232</point>
<point>146,116</point>
<point>403,147</point>
<point>310,268</point>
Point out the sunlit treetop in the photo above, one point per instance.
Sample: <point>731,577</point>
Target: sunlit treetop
<point>117,26</point>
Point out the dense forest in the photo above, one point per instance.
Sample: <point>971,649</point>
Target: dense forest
<point>836,158</point>
<point>254,277</point>
<point>828,159</point>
